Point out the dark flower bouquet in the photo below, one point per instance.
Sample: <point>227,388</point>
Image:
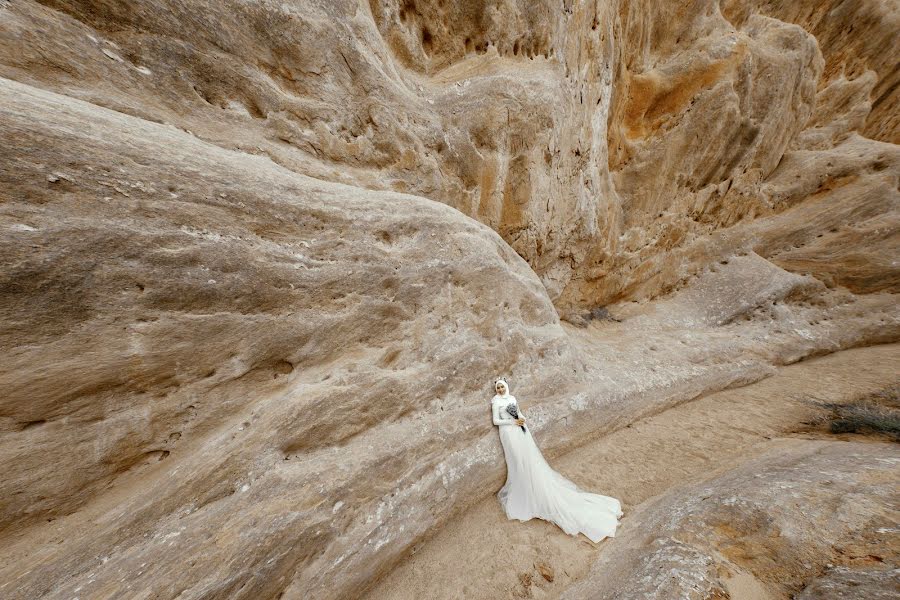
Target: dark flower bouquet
<point>513,411</point>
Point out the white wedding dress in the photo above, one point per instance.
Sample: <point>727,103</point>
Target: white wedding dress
<point>534,489</point>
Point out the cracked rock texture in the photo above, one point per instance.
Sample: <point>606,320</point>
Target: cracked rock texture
<point>261,260</point>
<point>806,506</point>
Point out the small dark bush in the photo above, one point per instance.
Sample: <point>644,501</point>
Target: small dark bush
<point>876,413</point>
<point>582,320</point>
<point>859,419</point>
<point>601,314</point>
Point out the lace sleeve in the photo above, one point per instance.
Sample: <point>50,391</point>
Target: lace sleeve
<point>498,420</point>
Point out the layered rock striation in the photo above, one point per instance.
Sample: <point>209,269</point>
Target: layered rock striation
<point>261,260</point>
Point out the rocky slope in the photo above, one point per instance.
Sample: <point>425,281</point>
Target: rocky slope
<point>649,463</point>
<point>802,509</point>
<point>261,260</point>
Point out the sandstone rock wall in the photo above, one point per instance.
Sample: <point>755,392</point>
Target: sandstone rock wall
<point>597,139</point>
<point>261,260</point>
<point>824,507</point>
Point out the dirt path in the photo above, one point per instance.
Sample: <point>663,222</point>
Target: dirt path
<point>482,555</point>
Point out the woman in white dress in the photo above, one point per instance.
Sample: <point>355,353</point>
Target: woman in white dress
<point>534,489</point>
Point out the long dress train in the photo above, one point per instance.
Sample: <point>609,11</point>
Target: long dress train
<point>534,489</point>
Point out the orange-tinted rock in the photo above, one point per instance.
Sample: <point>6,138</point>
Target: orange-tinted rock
<point>261,261</point>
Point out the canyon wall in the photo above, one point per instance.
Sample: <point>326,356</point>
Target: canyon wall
<point>261,261</point>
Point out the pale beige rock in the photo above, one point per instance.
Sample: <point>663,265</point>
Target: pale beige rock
<point>251,298</point>
<point>842,583</point>
<point>685,444</point>
<point>804,508</point>
<point>595,139</point>
<point>253,321</point>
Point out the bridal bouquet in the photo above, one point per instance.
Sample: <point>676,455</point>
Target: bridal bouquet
<point>513,411</point>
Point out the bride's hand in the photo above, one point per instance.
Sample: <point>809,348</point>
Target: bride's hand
<point>520,421</point>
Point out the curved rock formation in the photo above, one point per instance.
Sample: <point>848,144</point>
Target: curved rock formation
<point>261,260</point>
<point>805,507</point>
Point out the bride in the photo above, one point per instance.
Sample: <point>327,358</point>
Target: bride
<point>534,489</point>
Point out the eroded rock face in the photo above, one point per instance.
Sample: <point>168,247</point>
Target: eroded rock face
<point>598,140</point>
<point>772,525</point>
<point>842,582</point>
<point>261,260</point>
<point>156,302</point>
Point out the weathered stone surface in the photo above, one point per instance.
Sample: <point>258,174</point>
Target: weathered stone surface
<point>685,444</point>
<point>261,259</point>
<point>174,298</point>
<point>772,525</point>
<point>598,140</point>
<point>844,583</point>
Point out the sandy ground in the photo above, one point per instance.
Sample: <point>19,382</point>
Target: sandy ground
<point>482,555</point>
